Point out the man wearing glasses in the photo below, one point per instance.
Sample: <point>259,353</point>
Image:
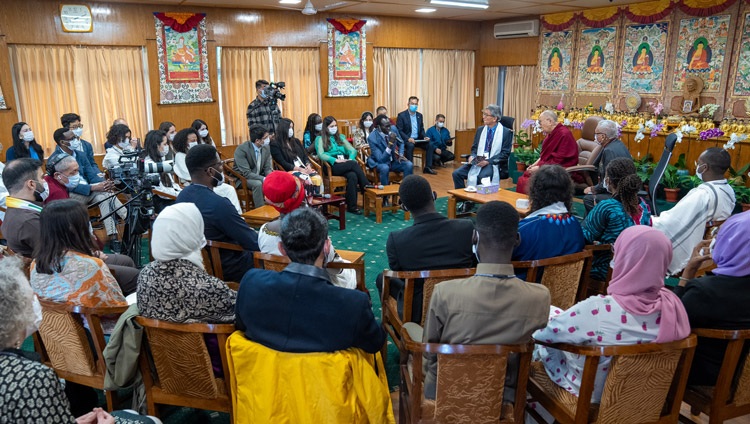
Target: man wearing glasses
<point>72,121</point>
<point>612,148</point>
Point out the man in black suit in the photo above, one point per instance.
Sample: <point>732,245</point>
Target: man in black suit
<point>410,124</point>
<point>433,242</point>
<point>298,309</point>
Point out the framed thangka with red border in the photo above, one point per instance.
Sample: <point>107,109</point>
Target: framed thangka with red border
<point>643,59</point>
<point>701,46</point>
<point>596,60</point>
<point>742,73</point>
<point>555,61</point>
<point>347,58</point>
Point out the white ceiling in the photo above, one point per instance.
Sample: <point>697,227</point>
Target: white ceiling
<point>499,9</point>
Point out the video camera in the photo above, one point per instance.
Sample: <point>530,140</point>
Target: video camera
<point>273,91</point>
<point>133,174</point>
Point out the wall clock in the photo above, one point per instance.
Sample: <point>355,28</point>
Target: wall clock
<point>76,18</point>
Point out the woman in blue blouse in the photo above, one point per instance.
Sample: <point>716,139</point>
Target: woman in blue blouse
<point>24,143</point>
<point>333,148</point>
<point>611,216</point>
<point>313,130</point>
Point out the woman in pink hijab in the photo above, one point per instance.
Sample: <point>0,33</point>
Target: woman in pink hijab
<point>638,309</point>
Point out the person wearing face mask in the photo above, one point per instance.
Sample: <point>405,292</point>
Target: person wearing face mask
<point>221,221</point>
<point>491,307</point>
<point>387,151</point>
<point>612,148</point>
<point>120,140</point>
<point>263,110</point>
<point>170,130</point>
<point>288,153</point>
<point>341,156</point>
<point>363,131</point>
<point>24,143</point>
<point>440,140</point>
<point>313,130</point>
<point>611,216</point>
<point>410,124</point>
<point>713,200</point>
<point>155,150</point>
<point>201,127</point>
<point>252,159</point>
<point>183,141</point>
<point>72,121</point>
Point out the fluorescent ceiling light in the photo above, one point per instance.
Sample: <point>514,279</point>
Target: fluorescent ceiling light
<point>290,1</point>
<point>475,5</point>
<point>425,10</point>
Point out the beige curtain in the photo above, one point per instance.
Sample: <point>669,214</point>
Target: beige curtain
<point>300,69</point>
<point>397,76</point>
<point>520,90</point>
<point>99,83</point>
<point>448,87</point>
<point>491,74</point>
<point>240,68</point>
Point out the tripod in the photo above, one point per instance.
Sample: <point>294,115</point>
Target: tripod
<point>140,210</point>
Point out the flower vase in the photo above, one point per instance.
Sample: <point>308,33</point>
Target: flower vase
<point>670,194</point>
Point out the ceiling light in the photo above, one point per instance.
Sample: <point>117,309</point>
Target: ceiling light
<point>309,9</point>
<point>464,3</point>
<point>290,1</point>
<point>425,10</point>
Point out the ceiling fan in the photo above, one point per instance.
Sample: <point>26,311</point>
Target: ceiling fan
<point>310,9</point>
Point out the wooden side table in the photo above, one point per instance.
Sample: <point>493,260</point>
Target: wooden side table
<point>335,201</point>
<point>259,216</point>
<point>374,202</point>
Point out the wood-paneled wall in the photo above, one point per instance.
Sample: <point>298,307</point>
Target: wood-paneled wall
<point>9,116</point>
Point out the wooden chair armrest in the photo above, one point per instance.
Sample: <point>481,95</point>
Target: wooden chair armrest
<point>224,245</point>
<point>721,334</point>
<point>164,195</point>
<point>186,328</point>
<point>598,247</point>
<point>687,342</point>
<point>444,348</point>
<point>104,310</point>
<point>581,168</point>
<point>232,285</point>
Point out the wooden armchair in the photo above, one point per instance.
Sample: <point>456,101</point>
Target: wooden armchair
<point>278,263</point>
<point>594,287</point>
<point>244,193</point>
<point>64,346</point>
<point>645,384</point>
<point>176,366</point>
<point>372,174</point>
<point>730,397</point>
<point>564,276</point>
<point>214,256</point>
<point>332,184</point>
<point>470,383</point>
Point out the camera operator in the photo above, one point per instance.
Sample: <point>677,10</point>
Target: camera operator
<point>264,110</point>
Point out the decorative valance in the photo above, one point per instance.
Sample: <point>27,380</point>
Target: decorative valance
<point>558,21</point>
<point>601,17</point>
<point>705,7</point>
<point>180,22</point>
<point>650,12</point>
<point>345,26</point>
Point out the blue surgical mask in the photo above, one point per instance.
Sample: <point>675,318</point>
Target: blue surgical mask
<point>73,182</point>
<point>412,108</point>
<point>78,132</point>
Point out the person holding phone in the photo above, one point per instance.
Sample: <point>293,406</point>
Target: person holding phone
<point>387,151</point>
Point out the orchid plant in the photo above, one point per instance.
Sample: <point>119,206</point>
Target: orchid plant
<point>650,125</point>
<point>609,108</point>
<point>656,107</point>
<point>536,127</point>
<point>734,138</point>
<point>710,133</point>
<point>685,129</point>
<point>708,110</point>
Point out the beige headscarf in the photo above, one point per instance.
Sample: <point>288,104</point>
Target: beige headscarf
<point>178,234</point>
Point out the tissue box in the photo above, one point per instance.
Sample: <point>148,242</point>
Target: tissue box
<point>487,189</point>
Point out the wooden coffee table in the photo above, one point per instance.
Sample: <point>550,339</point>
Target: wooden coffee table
<point>502,195</point>
<point>374,201</point>
<point>323,203</point>
<point>259,216</point>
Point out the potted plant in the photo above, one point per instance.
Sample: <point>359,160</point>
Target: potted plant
<point>671,181</point>
<point>523,154</point>
<point>738,180</point>
<point>644,168</point>
<point>521,139</point>
<point>681,166</point>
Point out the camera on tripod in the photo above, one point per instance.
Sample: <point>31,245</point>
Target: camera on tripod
<point>133,174</point>
<point>273,91</point>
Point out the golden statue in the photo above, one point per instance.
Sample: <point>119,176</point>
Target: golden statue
<point>725,126</point>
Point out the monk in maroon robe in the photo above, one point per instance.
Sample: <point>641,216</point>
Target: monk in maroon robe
<point>558,148</point>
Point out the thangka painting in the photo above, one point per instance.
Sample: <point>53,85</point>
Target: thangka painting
<point>644,57</point>
<point>3,105</point>
<point>742,76</point>
<point>556,61</point>
<point>183,58</point>
<point>596,60</point>
<point>347,59</point>
<point>701,47</point>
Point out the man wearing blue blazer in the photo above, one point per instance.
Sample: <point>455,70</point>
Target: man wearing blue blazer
<point>387,151</point>
<point>410,124</point>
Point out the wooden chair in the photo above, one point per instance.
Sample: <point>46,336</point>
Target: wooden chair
<point>645,384</point>
<point>372,174</point>
<point>730,397</point>
<point>564,276</point>
<point>278,263</point>
<point>64,346</point>
<point>332,184</point>
<point>244,193</point>
<point>594,287</point>
<point>214,255</point>
<point>470,383</point>
<point>176,366</point>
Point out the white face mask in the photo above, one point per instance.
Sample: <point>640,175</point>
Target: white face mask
<point>192,144</point>
<point>78,132</point>
<point>333,130</point>
<point>474,248</point>
<point>124,144</point>
<point>291,132</point>
<point>28,136</point>
<point>73,181</point>
<point>699,174</point>
<point>367,124</point>
<point>165,150</point>
<point>605,185</point>
<point>44,194</point>
<point>171,136</point>
<point>267,141</point>
<point>203,133</point>
<point>318,127</point>
<point>440,124</point>
<point>75,144</point>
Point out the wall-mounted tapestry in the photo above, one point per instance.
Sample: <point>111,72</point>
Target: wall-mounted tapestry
<point>596,60</point>
<point>701,46</point>
<point>3,105</point>
<point>556,61</point>
<point>644,57</point>
<point>347,58</point>
<point>742,74</point>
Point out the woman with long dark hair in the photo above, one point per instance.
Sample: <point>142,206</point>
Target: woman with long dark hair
<point>183,141</point>
<point>287,151</point>
<point>364,128</point>
<point>201,127</point>
<point>333,148</point>
<point>24,143</point>
<point>171,131</point>
<point>119,138</point>
<point>156,148</point>
<point>313,129</point>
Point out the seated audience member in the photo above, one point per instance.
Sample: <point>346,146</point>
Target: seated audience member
<point>72,122</point>
<point>24,143</point>
<point>433,242</point>
<point>364,128</point>
<point>550,229</point>
<point>62,172</point>
<point>287,151</point>
<point>382,110</point>
<point>183,141</point>
<point>120,141</point>
<point>637,308</point>
<point>440,139</point>
<point>713,200</point>
<point>387,151</point>
<point>493,306</point>
<point>221,221</point>
<point>333,148</point>
<point>169,129</point>
<point>313,130</point>
<point>201,128</point>
<point>32,392</point>
<point>118,121</point>
<point>65,268</point>
<point>156,149</point>
<point>298,309</point>
<point>606,134</point>
<point>610,216</point>
<point>252,159</point>
<point>410,124</point>
<point>86,185</point>
<point>558,148</point>
<point>22,229</point>
<point>286,193</point>
<point>719,299</point>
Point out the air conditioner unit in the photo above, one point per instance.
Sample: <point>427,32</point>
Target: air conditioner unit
<point>517,29</point>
